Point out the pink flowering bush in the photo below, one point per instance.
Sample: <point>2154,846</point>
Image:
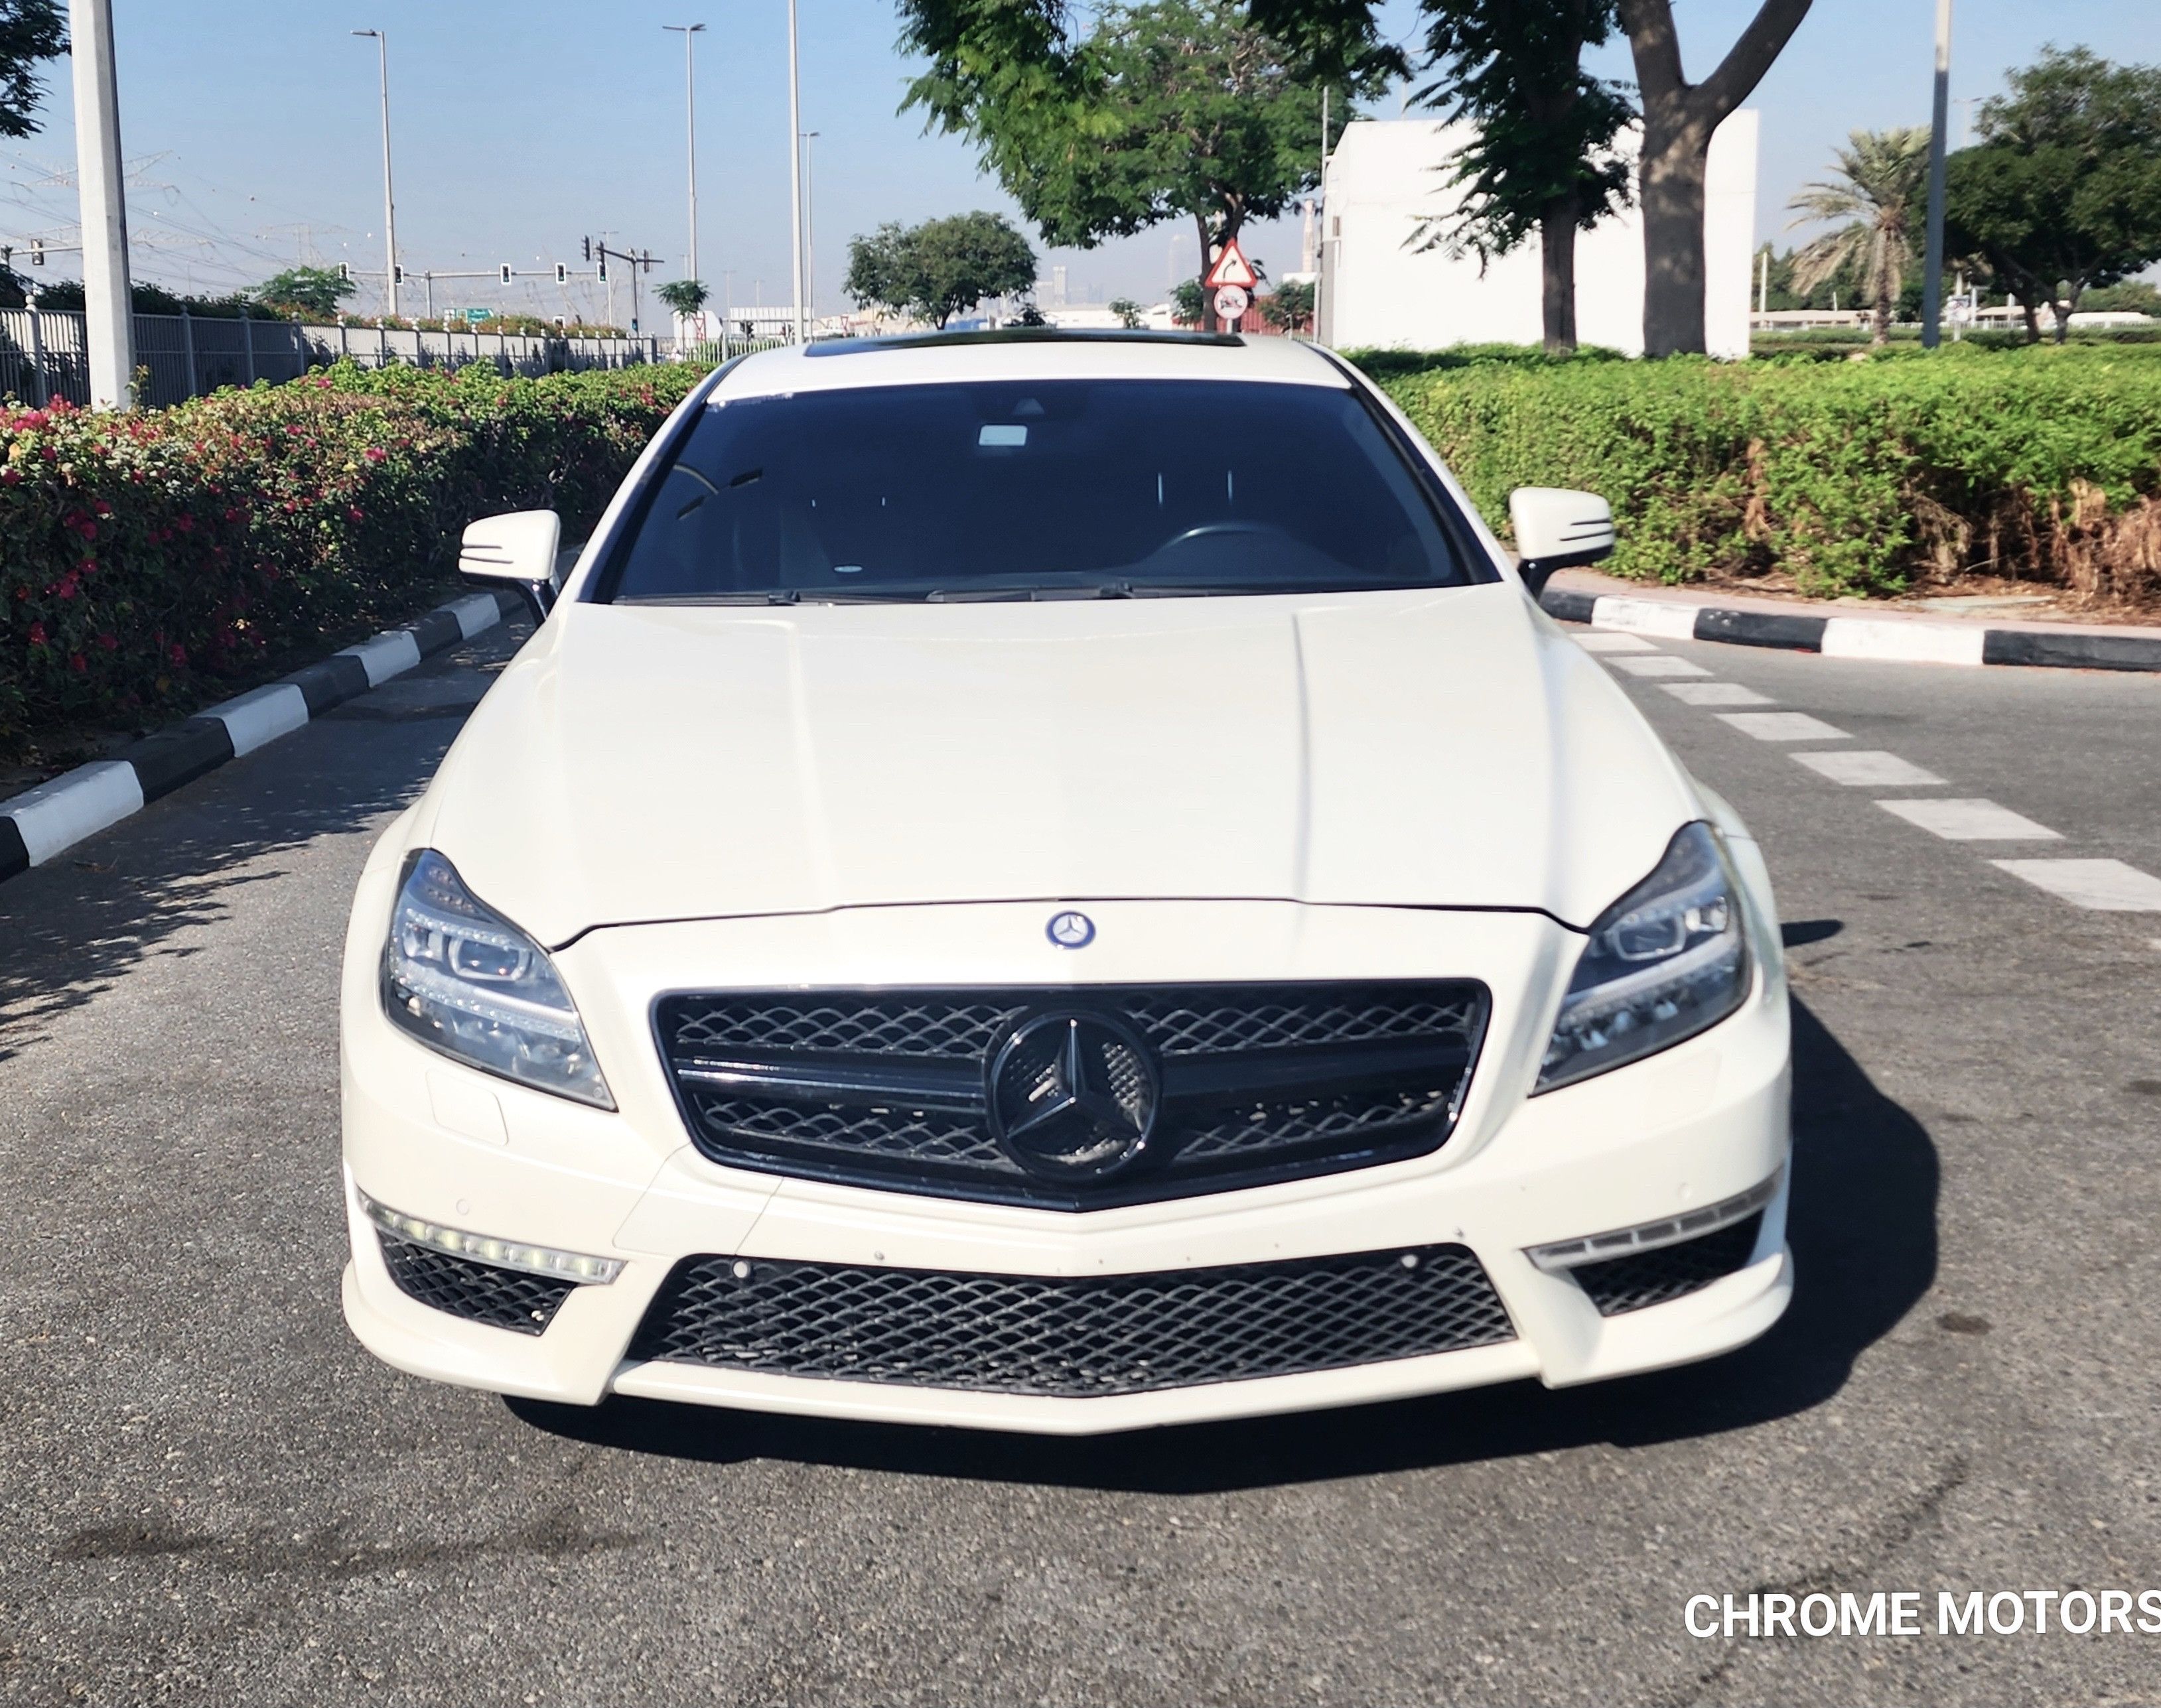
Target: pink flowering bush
<point>149,561</point>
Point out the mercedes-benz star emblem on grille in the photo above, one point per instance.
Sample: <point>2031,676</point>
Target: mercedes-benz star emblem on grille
<point>1071,931</point>
<point>1073,1097</point>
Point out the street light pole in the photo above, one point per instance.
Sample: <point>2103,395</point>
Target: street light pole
<point>1932,266</point>
<point>108,299</point>
<point>810,226</point>
<point>389,202</point>
<point>687,31</point>
<point>795,166</point>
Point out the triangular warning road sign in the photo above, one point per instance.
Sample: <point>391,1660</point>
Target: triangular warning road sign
<point>1232,268</point>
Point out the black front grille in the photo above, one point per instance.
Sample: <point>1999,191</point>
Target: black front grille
<point>479,1292</point>
<point>1667,1272</point>
<point>1074,1338</point>
<point>888,1087</point>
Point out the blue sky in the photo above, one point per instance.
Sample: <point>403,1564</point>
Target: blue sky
<point>251,130</point>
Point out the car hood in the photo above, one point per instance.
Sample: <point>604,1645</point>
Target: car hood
<point>1431,748</point>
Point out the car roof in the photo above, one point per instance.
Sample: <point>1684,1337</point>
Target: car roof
<point>953,358</point>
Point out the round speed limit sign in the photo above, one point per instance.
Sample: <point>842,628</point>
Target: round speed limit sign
<point>1232,302</point>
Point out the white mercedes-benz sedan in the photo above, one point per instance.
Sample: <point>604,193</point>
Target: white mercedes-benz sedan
<point>1057,883</point>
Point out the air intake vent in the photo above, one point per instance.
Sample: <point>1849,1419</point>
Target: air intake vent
<point>1047,1334</point>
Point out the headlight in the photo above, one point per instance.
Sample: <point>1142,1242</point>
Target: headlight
<point>1666,960</point>
<point>464,980</point>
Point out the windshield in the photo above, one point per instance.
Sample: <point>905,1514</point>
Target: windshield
<point>1047,489</point>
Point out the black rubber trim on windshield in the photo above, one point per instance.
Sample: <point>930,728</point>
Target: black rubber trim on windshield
<point>600,590</point>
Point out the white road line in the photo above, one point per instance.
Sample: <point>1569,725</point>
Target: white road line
<point>1645,616</point>
<point>2108,885</point>
<point>1867,769</point>
<point>1716,694</point>
<point>1971,821</point>
<point>1659,664</point>
<point>1596,642</point>
<point>1783,726</point>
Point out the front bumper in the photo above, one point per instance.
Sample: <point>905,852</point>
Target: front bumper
<point>1699,1124</point>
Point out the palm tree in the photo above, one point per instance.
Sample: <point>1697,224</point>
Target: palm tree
<point>686,296</point>
<point>1881,193</point>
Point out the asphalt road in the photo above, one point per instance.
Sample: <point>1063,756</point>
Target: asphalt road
<point>214,1495</point>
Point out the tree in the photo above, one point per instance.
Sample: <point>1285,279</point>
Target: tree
<point>306,290</point>
<point>1880,191</point>
<point>1679,118</point>
<point>31,31</point>
<point>1175,108</point>
<point>940,268</point>
<point>1288,306</point>
<point>2064,190</point>
<point>1189,303</point>
<point>684,296</point>
<point>2133,297</point>
<point>1544,163</point>
<point>1128,312</point>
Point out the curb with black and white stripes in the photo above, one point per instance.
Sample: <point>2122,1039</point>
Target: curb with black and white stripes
<point>43,823</point>
<point>1855,637</point>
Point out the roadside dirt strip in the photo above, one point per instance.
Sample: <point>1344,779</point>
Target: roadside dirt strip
<point>44,822</point>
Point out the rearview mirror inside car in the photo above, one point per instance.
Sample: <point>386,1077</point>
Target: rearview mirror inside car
<point>518,547</point>
<point>1556,529</point>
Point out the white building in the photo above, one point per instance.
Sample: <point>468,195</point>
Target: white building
<point>1386,179</point>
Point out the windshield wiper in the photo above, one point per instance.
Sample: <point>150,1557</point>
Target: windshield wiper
<point>960,595</point>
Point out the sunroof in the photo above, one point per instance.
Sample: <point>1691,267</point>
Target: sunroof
<point>1020,334</point>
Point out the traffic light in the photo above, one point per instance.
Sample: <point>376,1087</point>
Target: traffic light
<point>602,273</point>
<point>345,272</point>
<point>37,251</point>
<point>396,273</point>
<point>589,248</point>
<point>504,271</point>
<point>562,274</point>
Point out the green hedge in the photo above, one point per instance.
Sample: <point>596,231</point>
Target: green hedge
<point>150,560</point>
<point>1855,477</point>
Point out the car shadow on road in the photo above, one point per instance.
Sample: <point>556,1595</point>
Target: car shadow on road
<point>76,927</point>
<point>1863,1229</point>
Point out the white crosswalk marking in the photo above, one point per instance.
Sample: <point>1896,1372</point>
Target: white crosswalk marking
<point>1867,769</point>
<point>1598,641</point>
<point>2108,885</point>
<point>1971,821</point>
<point>1659,664</point>
<point>1783,726</point>
<point>1715,694</point>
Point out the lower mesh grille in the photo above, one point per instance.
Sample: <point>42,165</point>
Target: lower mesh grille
<point>1072,1338</point>
<point>1669,1272</point>
<point>478,1292</point>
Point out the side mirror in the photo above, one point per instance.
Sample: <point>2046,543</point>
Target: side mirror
<point>519,548</point>
<point>1558,529</point>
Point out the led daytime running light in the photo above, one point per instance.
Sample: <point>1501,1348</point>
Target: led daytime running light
<point>1649,1236</point>
<point>484,1248</point>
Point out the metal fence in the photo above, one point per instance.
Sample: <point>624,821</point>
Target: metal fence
<point>187,356</point>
